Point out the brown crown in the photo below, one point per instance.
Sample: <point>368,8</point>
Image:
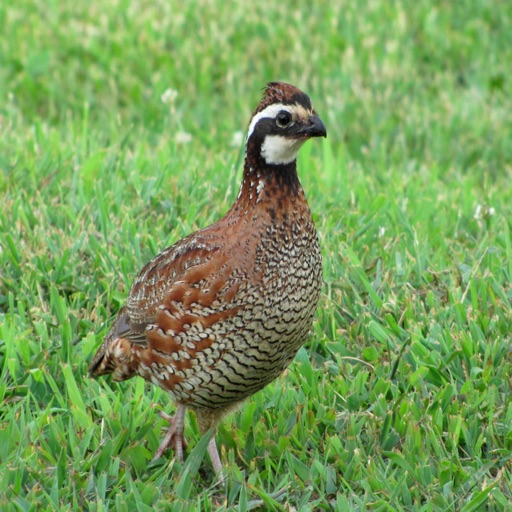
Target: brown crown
<point>281,92</point>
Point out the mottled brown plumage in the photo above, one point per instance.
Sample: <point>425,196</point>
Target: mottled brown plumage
<point>220,314</point>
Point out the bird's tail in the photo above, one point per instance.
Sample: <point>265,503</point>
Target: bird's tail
<point>99,364</point>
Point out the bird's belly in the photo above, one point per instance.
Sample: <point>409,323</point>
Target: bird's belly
<point>252,348</point>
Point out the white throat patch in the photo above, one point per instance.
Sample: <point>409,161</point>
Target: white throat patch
<point>279,150</point>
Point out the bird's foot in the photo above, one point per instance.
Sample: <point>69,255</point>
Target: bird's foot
<point>174,437</point>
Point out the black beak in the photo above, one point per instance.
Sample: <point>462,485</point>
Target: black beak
<point>313,127</point>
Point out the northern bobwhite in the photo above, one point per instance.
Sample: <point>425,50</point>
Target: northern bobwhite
<point>220,314</point>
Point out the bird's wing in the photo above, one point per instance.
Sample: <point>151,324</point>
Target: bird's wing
<point>184,264</point>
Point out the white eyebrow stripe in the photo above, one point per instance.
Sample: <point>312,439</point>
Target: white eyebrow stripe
<point>270,111</point>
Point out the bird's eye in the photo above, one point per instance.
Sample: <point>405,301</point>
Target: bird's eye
<point>283,119</point>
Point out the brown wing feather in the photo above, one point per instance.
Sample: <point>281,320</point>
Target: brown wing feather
<point>159,277</point>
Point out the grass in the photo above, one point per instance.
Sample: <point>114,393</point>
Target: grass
<point>401,400</point>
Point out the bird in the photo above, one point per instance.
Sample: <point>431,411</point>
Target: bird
<point>222,313</point>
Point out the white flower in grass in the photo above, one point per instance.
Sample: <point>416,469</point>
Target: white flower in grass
<point>483,212</point>
<point>183,138</point>
<point>169,96</point>
<point>382,231</point>
<point>237,139</point>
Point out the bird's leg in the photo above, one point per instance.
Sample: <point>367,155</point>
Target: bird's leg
<point>214,457</point>
<point>174,436</point>
<point>208,419</point>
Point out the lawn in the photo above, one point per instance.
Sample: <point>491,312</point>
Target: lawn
<point>121,131</point>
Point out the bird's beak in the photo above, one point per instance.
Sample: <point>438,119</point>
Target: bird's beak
<point>313,127</point>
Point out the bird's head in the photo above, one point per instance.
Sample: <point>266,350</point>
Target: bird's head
<point>283,120</point>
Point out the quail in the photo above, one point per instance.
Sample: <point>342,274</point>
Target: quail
<point>220,314</point>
